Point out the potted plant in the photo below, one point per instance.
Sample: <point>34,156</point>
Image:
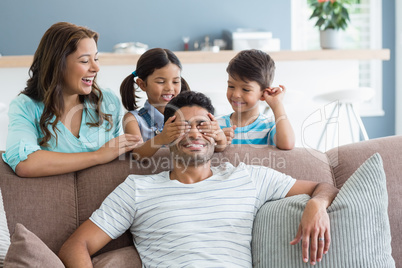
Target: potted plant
<point>332,16</point>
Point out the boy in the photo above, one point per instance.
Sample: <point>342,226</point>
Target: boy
<point>251,73</point>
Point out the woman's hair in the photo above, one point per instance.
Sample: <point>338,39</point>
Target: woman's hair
<point>253,65</point>
<point>189,98</point>
<point>150,61</point>
<point>47,76</point>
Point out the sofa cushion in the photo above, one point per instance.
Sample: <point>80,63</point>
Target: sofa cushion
<point>27,250</point>
<point>4,233</point>
<point>126,257</point>
<point>360,231</point>
<point>35,202</point>
<point>348,158</point>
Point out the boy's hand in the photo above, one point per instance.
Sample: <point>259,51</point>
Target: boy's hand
<point>212,130</point>
<point>229,133</point>
<point>274,95</point>
<point>173,130</point>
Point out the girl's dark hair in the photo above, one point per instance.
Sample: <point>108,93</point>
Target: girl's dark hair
<point>47,76</point>
<point>253,65</point>
<point>150,61</point>
<point>188,98</point>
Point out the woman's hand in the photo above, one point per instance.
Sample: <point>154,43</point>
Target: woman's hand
<point>117,146</point>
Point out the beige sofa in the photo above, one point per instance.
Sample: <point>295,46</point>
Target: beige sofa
<point>53,207</point>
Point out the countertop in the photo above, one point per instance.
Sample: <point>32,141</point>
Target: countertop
<point>223,56</point>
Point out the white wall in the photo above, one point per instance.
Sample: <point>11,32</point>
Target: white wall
<point>12,81</point>
<point>302,79</point>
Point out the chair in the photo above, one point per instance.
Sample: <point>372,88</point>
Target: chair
<point>346,99</point>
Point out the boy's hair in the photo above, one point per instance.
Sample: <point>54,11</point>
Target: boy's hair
<point>188,99</point>
<point>253,65</point>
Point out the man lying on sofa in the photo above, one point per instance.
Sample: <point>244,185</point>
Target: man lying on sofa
<point>198,215</point>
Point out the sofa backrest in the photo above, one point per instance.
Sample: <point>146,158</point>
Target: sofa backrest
<point>346,159</point>
<point>46,206</point>
<point>53,207</point>
<point>94,184</point>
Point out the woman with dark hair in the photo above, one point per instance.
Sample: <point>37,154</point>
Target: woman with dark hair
<point>62,122</point>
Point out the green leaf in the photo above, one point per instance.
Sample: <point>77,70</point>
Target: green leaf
<point>330,15</point>
<point>336,5</point>
<point>327,7</point>
<point>316,13</point>
<point>345,14</point>
<point>320,22</point>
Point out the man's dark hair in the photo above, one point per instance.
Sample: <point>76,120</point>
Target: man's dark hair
<point>188,99</point>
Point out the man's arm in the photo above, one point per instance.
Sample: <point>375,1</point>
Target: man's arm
<point>85,241</point>
<point>314,226</point>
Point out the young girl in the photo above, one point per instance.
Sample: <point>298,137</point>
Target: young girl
<point>251,73</point>
<point>158,74</point>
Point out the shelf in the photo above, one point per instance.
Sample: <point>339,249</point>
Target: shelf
<point>222,57</point>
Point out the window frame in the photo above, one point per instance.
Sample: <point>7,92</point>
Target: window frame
<point>299,23</point>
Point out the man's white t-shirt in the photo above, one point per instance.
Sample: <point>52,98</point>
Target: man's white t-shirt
<point>205,224</point>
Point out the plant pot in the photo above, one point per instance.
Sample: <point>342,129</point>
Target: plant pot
<point>330,39</point>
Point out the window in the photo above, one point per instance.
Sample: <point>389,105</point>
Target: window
<point>364,32</point>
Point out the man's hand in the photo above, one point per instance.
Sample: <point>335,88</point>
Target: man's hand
<point>314,232</point>
<point>314,228</point>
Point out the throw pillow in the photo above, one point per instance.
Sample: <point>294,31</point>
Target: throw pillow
<point>126,257</point>
<point>4,233</point>
<point>27,250</point>
<point>360,230</point>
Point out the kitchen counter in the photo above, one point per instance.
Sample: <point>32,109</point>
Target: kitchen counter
<point>222,57</point>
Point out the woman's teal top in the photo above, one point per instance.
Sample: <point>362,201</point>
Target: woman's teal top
<point>24,132</point>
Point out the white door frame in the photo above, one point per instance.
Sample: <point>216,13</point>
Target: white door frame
<point>398,68</point>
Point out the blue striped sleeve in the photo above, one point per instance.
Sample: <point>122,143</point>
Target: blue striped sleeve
<point>270,184</point>
<point>116,214</point>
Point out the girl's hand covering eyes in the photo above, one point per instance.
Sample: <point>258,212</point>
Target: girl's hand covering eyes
<point>173,130</point>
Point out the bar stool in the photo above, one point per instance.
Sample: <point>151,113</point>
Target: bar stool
<point>349,99</point>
